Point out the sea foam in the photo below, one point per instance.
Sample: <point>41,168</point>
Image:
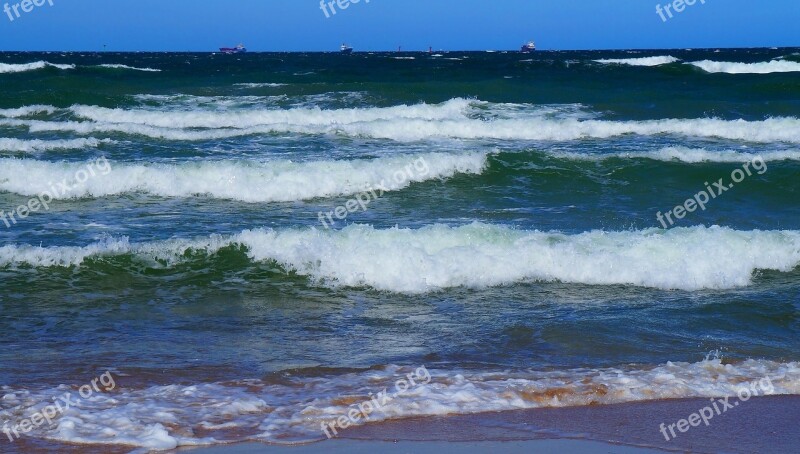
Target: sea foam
<point>294,408</point>
<point>132,68</point>
<point>454,119</point>
<point>24,67</point>
<point>644,61</point>
<point>246,181</point>
<point>36,145</point>
<point>774,66</point>
<point>687,155</point>
<point>478,255</point>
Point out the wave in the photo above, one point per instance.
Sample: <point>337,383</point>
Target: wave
<point>27,111</point>
<point>687,155</point>
<point>278,181</point>
<point>774,66</point>
<point>117,66</point>
<point>6,68</point>
<point>32,146</point>
<point>297,117</point>
<point>294,408</point>
<point>644,61</point>
<point>478,255</point>
<point>260,85</point>
<point>454,119</point>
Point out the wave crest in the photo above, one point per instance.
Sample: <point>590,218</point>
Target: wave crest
<point>774,66</point>
<point>480,255</point>
<point>277,181</point>
<point>6,68</point>
<point>643,61</point>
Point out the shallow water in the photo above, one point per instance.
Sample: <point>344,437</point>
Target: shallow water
<point>502,234</point>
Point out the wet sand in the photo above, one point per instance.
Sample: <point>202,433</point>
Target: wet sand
<point>766,424</point>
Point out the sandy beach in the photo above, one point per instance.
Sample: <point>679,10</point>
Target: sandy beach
<point>760,425</point>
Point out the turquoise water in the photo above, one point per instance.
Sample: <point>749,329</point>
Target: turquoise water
<point>515,252</point>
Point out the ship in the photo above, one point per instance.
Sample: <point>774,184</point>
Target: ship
<point>240,49</point>
<point>345,49</point>
<point>528,48</point>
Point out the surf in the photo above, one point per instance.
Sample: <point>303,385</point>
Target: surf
<point>244,181</point>
<point>7,68</point>
<point>771,67</point>
<point>643,61</point>
<point>458,119</point>
<point>476,256</point>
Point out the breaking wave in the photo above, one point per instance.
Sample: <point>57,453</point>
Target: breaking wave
<point>277,181</point>
<point>687,155</point>
<point>454,119</point>
<point>774,66</point>
<point>644,61</point>
<point>478,255</point>
<point>132,68</point>
<point>24,67</point>
<point>36,145</point>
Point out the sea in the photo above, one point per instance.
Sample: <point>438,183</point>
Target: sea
<point>199,249</point>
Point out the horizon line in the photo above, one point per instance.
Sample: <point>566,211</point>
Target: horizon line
<point>408,51</point>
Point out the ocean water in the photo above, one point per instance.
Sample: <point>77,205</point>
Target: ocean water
<point>501,247</point>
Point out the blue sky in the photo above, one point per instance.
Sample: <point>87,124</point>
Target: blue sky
<point>294,25</point>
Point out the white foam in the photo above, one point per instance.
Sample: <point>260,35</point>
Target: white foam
<point>27,111</point>
<point>688,155</point>
<point>117,66</point>
<point>774,66</point>
<point>644,61</point>
<point>260,85</point>
<point>23,67</point>
<point>479,255</point>
<point>36,145</point>
<point>182,103</point>
<point>277,181</point>
<point>454,119</point>
<point>164,417</point>
<point>280,119</point>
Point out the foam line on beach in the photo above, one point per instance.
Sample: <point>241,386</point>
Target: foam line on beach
<point>294,408</point>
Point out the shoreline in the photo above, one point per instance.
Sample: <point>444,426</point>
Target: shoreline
<point>624,428</point>
<point>762,424</point>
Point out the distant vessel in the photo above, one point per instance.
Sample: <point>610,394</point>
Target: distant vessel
<point>345,49</point>
<point>240,49</point>
<point>528,48</point>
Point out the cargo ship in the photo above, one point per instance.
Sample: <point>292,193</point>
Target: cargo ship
<point>240,49</point>
<point>345,49</point>
<point>528,48</point>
